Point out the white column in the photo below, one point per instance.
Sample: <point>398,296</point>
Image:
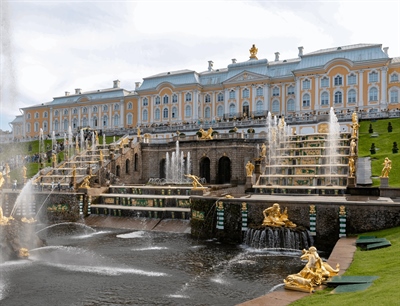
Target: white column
<point>51,120</point>
<point>283,99</point>
<point>110,120</point>
<point>179,106</point>
<point>195,105</point>
<point>316,94</point>
<point>90,123</point>
<point>79,116</point>
<point>360,90</point>
<point>384,86</point>
<point>297,98</point>
<point>121,113</point>
<point>226,98</point>
<point>267,97</point>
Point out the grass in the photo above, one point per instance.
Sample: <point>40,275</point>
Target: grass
<point>383,143</point>
<point>380,262</point>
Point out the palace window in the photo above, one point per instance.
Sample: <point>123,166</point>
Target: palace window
<point>28,116</point>
<point>259,92</point>
<point>74,123</point>
<point>290,90</point>
<point>105,108</point>
<point>116,107</point>
<point>338,80</point>
<point>56,125</point>
<point>165,113</point>
<point>394,77</point>
<point>158,100</point>
<point>84,121</point>
<point>130,105</point>
<point>157,114</point>
<point>394,96</point>
<point>36,115</point>
<point>65,112</point>
<point>105,120</point>
<point>275,106</point>
<point>75,111</point>
<point>306,84</point>
<point>290,105</point>
<point>306,100</point>
<point>246,93</point>
<point>220,97</point>
<point>45,126</point>
<point>145,102</point>
<point>165,99</point>
<point>174,113</point>
<point>259,107</point>
<point>84,110</point>
<point>325,82</point>
<point>275,92</point>
<point>129,119</point>
<point>373,77</point>
<point>94,109</point>
<point>207,113</point>
<point>220,111</point>
<point>232,110</point>
<point>188,97</point>
<point>351,96</point>
<point>174,98</point>
<point>338,97</point>
<point>188,111</point>
<point>36,127</point>
<point>325,98</point>
<point>56,113</point>
<point>65,125</point>
<point>28,127</point>
<point>207,98</point>
<point>232,94</point>
<point>145,115</point>
<point>373,94</point>
<point>116,120</point>
<point>352,79</point>
<point>45,115</point>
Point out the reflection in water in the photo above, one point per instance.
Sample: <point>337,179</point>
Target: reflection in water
<point>117,267</point>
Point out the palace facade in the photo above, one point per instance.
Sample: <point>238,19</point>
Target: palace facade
<point>359,77</point>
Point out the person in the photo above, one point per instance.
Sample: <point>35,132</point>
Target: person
<point>249,168</point>
<point>387,166</point>
<point>14,187</point>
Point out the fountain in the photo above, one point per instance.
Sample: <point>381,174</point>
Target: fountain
<point>304,164</point>
<point>177,166</point>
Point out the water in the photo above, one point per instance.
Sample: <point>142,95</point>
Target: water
<point>333,143</point>
<point>121,267</point>
<point>177,166</point>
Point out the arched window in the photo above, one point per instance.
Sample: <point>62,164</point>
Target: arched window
<point>232,94</point>
<point>95,109</point>
<point>188,97</point>
<point>36,127</point>
<point>207,113</point>
<point>105,108</point>
<point>84,122</point>
<point>75,111</point>
<point>373,77</point>
<point>65,111</point>
<point>44,126</point>
<point>246,93</point>
<point>324,98</point>
<point>259,92</point>
<point>351,96</point>
<point>158,100</point>
<point>338,80</point>
<point>130,105</point>
<point>56,113</point>
<point>324,82</point>
<point>232,110</point>
<point>352,79</point>
<point>259,107</point>
<point>145,102</point>
<point>84,110</point>
<point>116,120</point>
<point>45,115</point>
<point>306,100</point>
<point>275,106</point>
<point>144,115</point>
<point>95,121</point>
<point>28,127</point>
<point>165,113</point>
<point>306,84</point>
<point>165,99</point>
<point>175,98</point>
<point>65,125</point>
<point>157,114</point>
<point>74,123</point>
<point>220,111</point>
<point>394,96</point>
<point>373,94</point>
<point>246,109</point>
<point>129,119</point>
<point>338,97</point>
<point>116,106</point>
<point>28,116</point>
<point>394,77</point>
<point>36,115</point>
<point>56,125</point>
<point>275,92</point>
<point>290,105</point>
<point>174,113</point>
<point>188,111</point>
<point>220,97</point>
<point>105,120</point>
<point>207,99</point>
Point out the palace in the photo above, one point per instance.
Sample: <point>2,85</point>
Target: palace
<point>359,77</point>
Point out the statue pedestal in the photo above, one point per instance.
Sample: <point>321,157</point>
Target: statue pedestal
<point>384,182</point>
<point>351,182</point>
<point>249,182</point>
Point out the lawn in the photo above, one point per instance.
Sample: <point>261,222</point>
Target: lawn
<point>383,141</point>
<point>380,262</point>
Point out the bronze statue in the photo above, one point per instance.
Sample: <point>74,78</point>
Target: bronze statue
<point>387,166</point>
<point>274,217</point>
<point>249,168</point>
<point>313,274</point>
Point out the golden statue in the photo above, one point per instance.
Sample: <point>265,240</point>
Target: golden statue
<point>274,217</point>
<point>263,150</point>
<point>387,166</point>
<point>23,172</point>
<point>54,157</point>
<point>195,180</point>
<point>355,125</point>
<point>74,171</point>
<point>86,182</point>
<point>138,132</point>
<point>3,220</point>
<point>253,52</point>
<point>7,171</point>
<point>206,134</point>
<point>249,168</point>
<point>313,274</point>
<point>77,146</point>
<point>123,142</point>
<point>101,155</point>
<point>352,167</point>
<point>1,179</point>
<point>353,147</point>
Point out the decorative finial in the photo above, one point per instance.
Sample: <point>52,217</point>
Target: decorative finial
<point>253,52</point>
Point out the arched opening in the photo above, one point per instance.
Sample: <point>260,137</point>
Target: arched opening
<point>118,171</point>
<point>127,165</point>
<point>162,169</point>
<point>224,170</point>
<point>205,169</point>
<point>136,162</point>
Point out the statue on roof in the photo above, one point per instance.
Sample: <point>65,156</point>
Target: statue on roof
<point>253,52</point>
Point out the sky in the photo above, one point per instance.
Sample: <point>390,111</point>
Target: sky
<point>50,47</point>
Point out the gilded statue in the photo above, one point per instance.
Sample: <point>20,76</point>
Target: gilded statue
<point>274,217</point>
<point>313,274</point>
<point>86,182</point>
<point>249,168</point>
<point>3,219</point>
<point>352,167</point>
<point>206,134</point>
<point>195,180</point>
<point>138,132</point>
<point>54,158</point>
<point>263,150</point>
<point>355,125</point>
<point>253,52</point>
<point>1,179</point>
<point>7,171</point>
<point>101,155</point>
<point>387,166</point>
<point>353,146</point>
